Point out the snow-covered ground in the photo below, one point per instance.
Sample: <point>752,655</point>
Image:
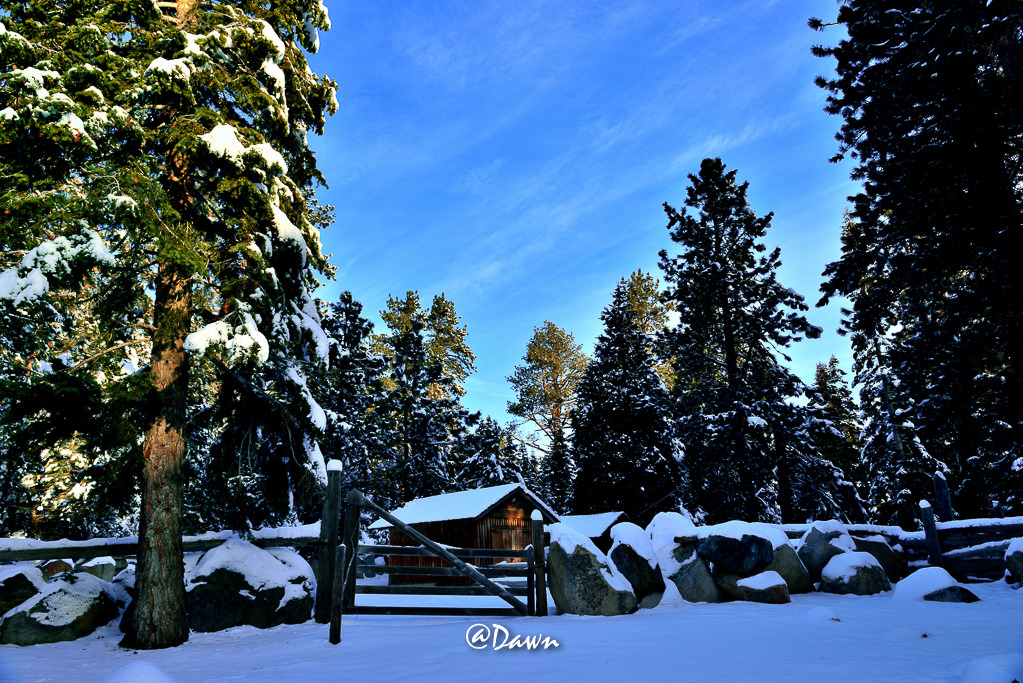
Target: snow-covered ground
<point>817,637</point>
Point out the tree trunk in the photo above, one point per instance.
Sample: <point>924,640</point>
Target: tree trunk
<point>159,616</point>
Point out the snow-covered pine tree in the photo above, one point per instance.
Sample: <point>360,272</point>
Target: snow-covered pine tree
<point>487,456</point>
<point>557,474</point>
<point>840,443</point>
<point>352,393</point>
<point>622,437</point>
<point>929,94</point>
<point>160,164</point>
<point>734,317</point>
<point>900,470</point>
<point>424,425</point>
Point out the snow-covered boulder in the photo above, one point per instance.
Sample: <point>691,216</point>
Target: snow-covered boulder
<point>821,542</point>
<point>65,610</point>
<point>582,580</point>
<point>933,584</point>
<point>50,568</point>
<point>1014,560</point>
<point>673,538</point>
<point>854,573</point>
<point>18,583</point>
<point>893,562</point>
<point>104,568</point>
<point>735,548</point>
<point>634,557</point>
<point>237,583</point>
<point>767,586</point>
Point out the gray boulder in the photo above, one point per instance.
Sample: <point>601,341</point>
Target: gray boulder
<point>952,594</point>
<point>694,581</point>
<point>239,584</point>
<point>734,548</point>
<point>1014,560</point>
<point>633,555</point>
<point>582,580</point>
<point>67,609</point>
<point>787,564</point>
<point>893,563</point>
<point>854,573</point>
<point>19,583</point>
<point>766,587</point>
<point>821,542</point>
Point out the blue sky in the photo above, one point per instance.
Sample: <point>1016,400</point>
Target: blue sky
<point>516,155</point>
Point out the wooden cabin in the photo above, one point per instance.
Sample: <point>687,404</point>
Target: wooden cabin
<point>496,517</point>
<point>596,527</point>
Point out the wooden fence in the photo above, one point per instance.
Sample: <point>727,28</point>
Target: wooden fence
<point>970,548</point>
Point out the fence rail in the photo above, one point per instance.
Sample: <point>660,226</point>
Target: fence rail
<point>129,547</point>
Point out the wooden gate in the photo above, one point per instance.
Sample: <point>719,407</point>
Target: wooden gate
<point>482,582</point>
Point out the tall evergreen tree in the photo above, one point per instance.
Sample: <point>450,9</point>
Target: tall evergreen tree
<point>731,392</point>
<point>352,393</point>
<point>929,95</point>
<point>622,438</point>
<point>545,383</point>
<point>840,442</point>
<point>425,425</point>
<point>488,456</point>
<point>444,340</point>
<point>159,164</point>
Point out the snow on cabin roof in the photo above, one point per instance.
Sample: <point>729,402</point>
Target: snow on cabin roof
<point>470,504</point>
<point>592,526</point>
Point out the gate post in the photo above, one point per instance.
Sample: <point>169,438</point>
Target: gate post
<point>931,534</point>
<point>942,499</point>
<point>335,598</point>
<point>539,564</point>
<point>328,542</point>
<point>350,538</point>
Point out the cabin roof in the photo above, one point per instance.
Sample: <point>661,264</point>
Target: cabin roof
<point>592,526</point>
<point>471,504</point>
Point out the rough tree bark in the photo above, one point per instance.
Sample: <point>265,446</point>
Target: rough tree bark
<point>159,614</point>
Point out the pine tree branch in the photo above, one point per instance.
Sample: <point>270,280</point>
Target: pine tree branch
<point>79,365</point>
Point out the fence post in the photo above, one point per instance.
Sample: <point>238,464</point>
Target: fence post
<point>942,499</point>
<point>335,596</point>
<point>931,533</point>
<point>328,542</point>
<point>539,563</point>
<point>350,538</point>
<point>530,582</point>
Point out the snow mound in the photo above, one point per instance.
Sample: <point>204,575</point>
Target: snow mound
<point>923,582</point>
<point>1015,546</point>
<point>139,672</point>
<point>993,669</point>
<point>844,566</point>
<point>569,539</point>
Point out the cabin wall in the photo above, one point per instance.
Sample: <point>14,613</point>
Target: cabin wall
<point>508,526</point>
